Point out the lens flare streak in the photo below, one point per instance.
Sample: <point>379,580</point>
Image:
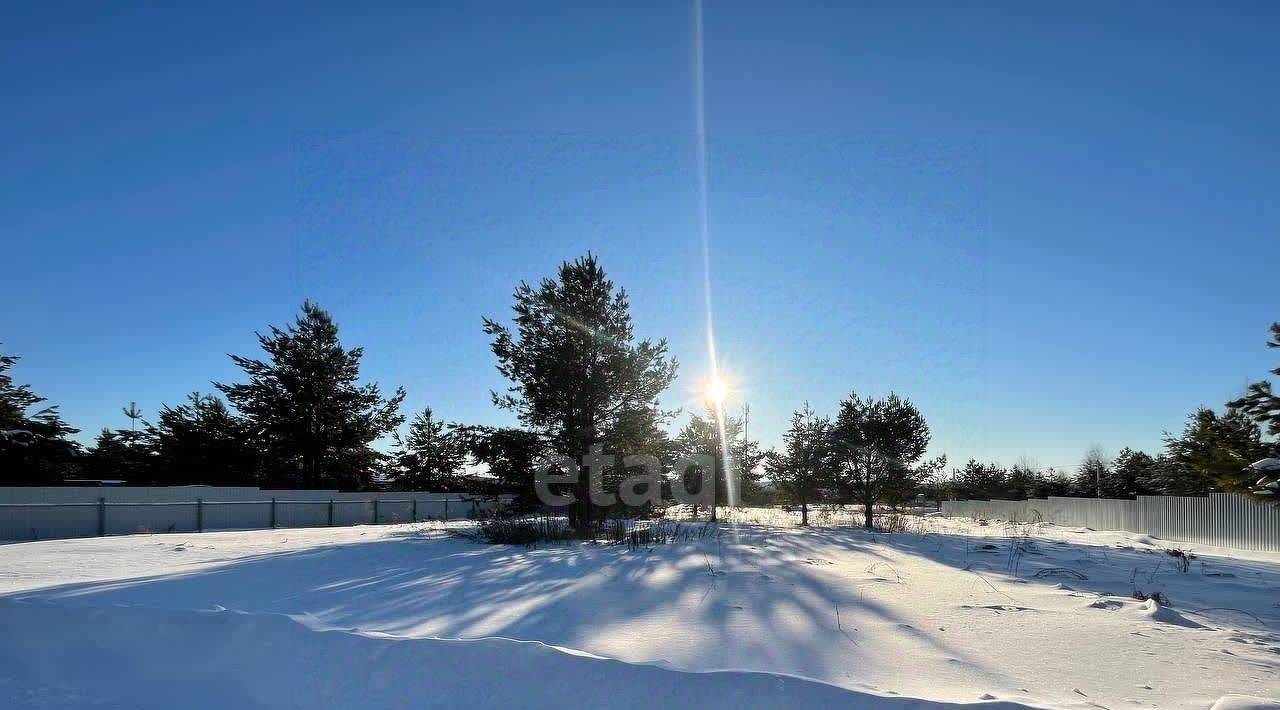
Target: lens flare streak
<point>700,120</point>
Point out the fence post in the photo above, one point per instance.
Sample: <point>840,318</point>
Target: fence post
<point>415,510</point>
<point>273,512</point>
<point>375,511</point>
<point>446,510</point>
<point>199,515</point>
<point>330,512</point>
<point>102,516</point>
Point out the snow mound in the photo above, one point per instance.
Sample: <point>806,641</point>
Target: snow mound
<point>133,657</point>
<point>1245,702</point>
<point>1154,611</point>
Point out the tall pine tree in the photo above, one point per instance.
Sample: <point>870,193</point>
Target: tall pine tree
<point>315,422</point>
<point>578,375</point>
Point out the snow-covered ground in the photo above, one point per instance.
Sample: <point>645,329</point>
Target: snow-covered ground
<point>1007,615</point>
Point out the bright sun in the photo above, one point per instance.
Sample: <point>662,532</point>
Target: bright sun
<point>715,390</point>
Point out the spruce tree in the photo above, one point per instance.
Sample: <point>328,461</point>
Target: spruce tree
<point>119,454</point>
<point>1133,473</point>
<point>315,422</point>
<point>578,374</point>
<point>202,441</point>
<point>1022,482</point>
<point>979,480</point>
<point>1169,477</point>
<point>431,456</point>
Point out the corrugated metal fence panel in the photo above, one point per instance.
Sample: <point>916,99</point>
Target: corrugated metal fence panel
<point>128,518</point>
<point>185,494</point>
<point>1245,523</point>
<point>44,522</point>
<point>65,516</point>
<point>298,514</point>
<point>1222,519</point>
<point>236,515</point>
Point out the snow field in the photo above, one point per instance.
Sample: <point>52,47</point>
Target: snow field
<point>950,612</point>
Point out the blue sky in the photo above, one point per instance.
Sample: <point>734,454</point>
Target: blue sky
<point>1038,222</point>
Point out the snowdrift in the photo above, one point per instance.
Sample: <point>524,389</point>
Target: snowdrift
<point>131,657</point>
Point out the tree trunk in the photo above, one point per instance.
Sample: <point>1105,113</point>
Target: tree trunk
<point>804,513</point>
<point>582,512</point>
<point>868,512</point>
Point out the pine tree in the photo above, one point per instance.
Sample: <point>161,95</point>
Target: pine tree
<point>702,435</point>
<point>202,441</point>
<point>1133,473</point>
<point>119,454</point>
<point>316,424</point>
<point>431,456</point>
<point>979,480</point>
<point>1215,451</point>
<point>1169,477</point>
<point>577,372</point>
<point>1053,482</point>
<point>1260,402</point>
<point>509,454</point>
<point>877,444</point>
<point>124,453</point>
<point>34,448</point>
<point>1021,483</point>
<point>634,431</point>
<point>1093,470</point>
<point>800,471</point>
<point>748,458</point>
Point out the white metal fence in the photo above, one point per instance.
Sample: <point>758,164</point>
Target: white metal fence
<point>56,512</point>
<point>1221,519</point>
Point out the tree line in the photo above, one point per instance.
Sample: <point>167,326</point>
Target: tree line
<point>300,416</point>
<point>1211,454</point>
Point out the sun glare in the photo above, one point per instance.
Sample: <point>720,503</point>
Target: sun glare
<point>715,390</point>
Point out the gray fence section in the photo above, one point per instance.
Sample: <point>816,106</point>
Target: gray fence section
<point>1221,519</point>
<point>85,512</point>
